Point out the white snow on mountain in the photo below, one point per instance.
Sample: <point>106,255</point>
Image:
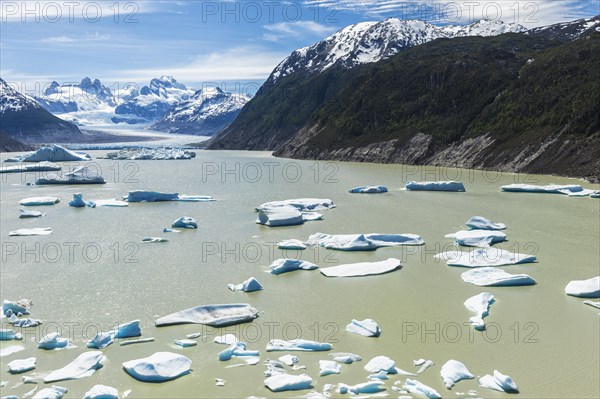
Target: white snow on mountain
<point>12,100</point>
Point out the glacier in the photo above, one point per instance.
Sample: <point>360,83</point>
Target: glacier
<point>454,371</point>
<point>368,190</point>
<point>159,367</point>
<point>211,315</point>
<point>80,175</point>
<point>53,153</point>
<point>481,223</point>
<point>480,305</point>
<point>589,288</point>
<point>362,269</point>
<point>137,154</point>
<point>485,257</point>
<point>84,365</point>
<point>454,186</point>
<point>363,242</point>
<point>492,277</point>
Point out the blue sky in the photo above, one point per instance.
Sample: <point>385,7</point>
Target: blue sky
<point>209,41</point>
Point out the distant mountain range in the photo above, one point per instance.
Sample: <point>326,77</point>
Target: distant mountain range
<point>488,95</point>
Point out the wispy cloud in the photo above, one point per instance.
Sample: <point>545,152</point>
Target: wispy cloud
<point>283,30</point>
<point>88,37</point>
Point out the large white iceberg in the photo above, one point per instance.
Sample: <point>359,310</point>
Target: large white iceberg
<point>53,153</point>
<point>499,382</point>
<point>285,382</point>
<point>159,367</point>
<point>101,392</point>
<point>81,175</point>
<point>454,371</point>
<point>381,363</point>
<point>154,154</point>
<point>16,307</point>
<point>211,315</point>
<point>480,305</point>
<point>285,216</point>
<point>328,367</point>
<point>84,365</point>
<point>300,345</point>
<point>25,214</point>
<point>35,201</point>
<point>485,257</point>
<point>363,242</point>
<point>368,190</point>
<point>302,204</point>
<point>492,277</point>
<point>53,341</point>
<point>477,238</point>
<point>54,392</point>
<point>249,285</point>
<point>418,388</point>
<point>362,269</point>
<point>589,288</point>
<point>38,231</point>
<point>568,189</point>
<point>366,328</point>
<point>185,222</point>
<point>36,167</point>
<point>21,365</point>
<point>281,266</point>
<point>435,186</point>
<point>481,223</point>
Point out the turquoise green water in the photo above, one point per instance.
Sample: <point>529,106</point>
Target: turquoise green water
<point>93,271</point>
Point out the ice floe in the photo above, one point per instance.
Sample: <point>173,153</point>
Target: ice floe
<point>81,175</point>
<point>300,345</point>
<point>362,269</point>
<point>155,196</point>
<point>53,341</point>
<point>101,340</point>
<point>84,365</point>
<point>302,204</point>
<point>381,363</point>
<point>154,239</point>
<point>285,382</point>
<point>101,392</point>
<point>25,214</point>
<point>126,330</point>
<point>589,288</point>
<point>53,153</point>
<point>499,382</point>
<point>292,245</point>
<point>285,216</point>
<point>480,305</point>
<point>36,167</point>
<point>568,189</point>
<point>418,388</point>
<point>492,277</point>
<point>477,238</point>
<point>211,315</point>
<point>23,323</point>
<point>137,341</point>
<point>327,367</point>
<point>110,203</point>
<point>185,343</point>
<point>21,365</point>
<point>9,335</point>
<point>454,371</point>
<point>185,222</point>
<point>435,186</point>
<point>153,154</point>
<point>37,231</point>
<point>78,202</point>
<point>424,366</point>
<point>485,257</point>
<point>36,201</point>
<point>366,328</point>
<point>346,358</point>
<point>289,360</point>
<point>249,285</point>
<point>237,349</point>
<point>226,339</point>
<point>481,223</point>
<point>593,304</point>
<point>281,266</point>
<point>54,392</point>
<point>363,388</point>
<point>368,190</point>
<point>10,350</point>
<point>363,242</point>
<point>20,307</point>
<point>159,367</point>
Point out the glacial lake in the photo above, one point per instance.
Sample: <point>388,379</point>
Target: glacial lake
<point>93,272</point>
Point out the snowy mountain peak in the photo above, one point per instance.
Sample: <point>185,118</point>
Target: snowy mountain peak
<point>12,100</point>
<point>88,95</point>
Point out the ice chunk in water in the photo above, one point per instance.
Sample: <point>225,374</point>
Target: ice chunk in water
<point>362,269</point>
<point>346,358</point>
<point>381,363</point>
<point>21,365</point>
<point>285,382</point>
<point>159,367</point>
<point>480,305</point>
<point>154,239</point>
<point>52,153</point>
<point>363,242</point>
<point>481,223</point>
<point>237,349</point>
<point>285,216</point>
<point>302,204</point>
<point>102,392</point>
<point>54,392</point>
<point>9,335</point>
<point>499,382</point>
<point>185,343</point>
<point>435,186</point>
<point>38,231</point>
<point>281,266</point>
<point>485,257</point>
<point>226,339</point>
<point>25,214</point>
<point>84,365</point>
<point>492,277</point>
<point>327,367</point>
<point>81,175</point>
<point>150,196</point>
<point>35,201</point>
<point>454,371</point>
<point>477,238</point>
<point>101,340</point>
<point>249,285</point>
<point>15,307</point>
<point>368,190</point>
<point>548,189</point>
<point>290,360</point>
<point>36,167</point>
<point>584,288</point>
<point>366,328</point>
<point>297,345</point>
<point>418,388</point>
<point>185,223</point>
<point>53,341</point>
<point>78,202</point>
<point>212,315</point>
<point>292,245</point>
<point>364,388</point>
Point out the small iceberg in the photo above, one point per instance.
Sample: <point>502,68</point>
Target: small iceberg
<point>226,339</point>
<point>381,363</point>
<point>424,365</point>
<point>111,203</point>
<point>38,231</point>
<point>285,382</point>
<point>300,345</point>
<point>328,367</point>
<point>281,266</point>
<point>455,186</point>
<point>289,360</point>
<point>53,341</point>
<point>499,382</point>
<point>154,154</point>
<point>454,371</point>
<point>362,269</point>
<point>492,277</point>
<point>368,190</point>
<point>211,315</point>
<point>23,323</point>
<point>285,216</point>
<point>485,257</point>
<point>185,223</point>
<point>159,367</point>
<point>81,175</point>
<point>54,392</point>
<point>292,245</point>
<point>569,189</point>
<point>78,202</point>
<point>36,167</point>
<point>302,204</point>
<point>418,388</point>
<point>237,349</point>
<point>53,153</point>
<point>249,285</point>
<point>481,223</point>
<point>154,239</point>
<point>480,305</point>
<point>101,392</point>
<point>185,343</point>
<point>37,201</point>
<point>477,238</point>
<point>593,304</point>
<point>345,358</point>
<point>584,288</point>
<point>20,307</point>
<point>363,388</point>
<point>25,214</point>
<point>21,365</point>
<point>126,330</point>
<point>366,328</point>
<point>155,196</point>
<point>9,335</point>
<point>84,365</point>
<point>101,340</point>
<point>363,242</point>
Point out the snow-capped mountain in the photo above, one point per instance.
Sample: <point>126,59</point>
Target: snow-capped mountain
<point>154,100</point>
<point>572,29</point>
<point>207,112</point>
<point>368,42</point>
<point>86,96</point>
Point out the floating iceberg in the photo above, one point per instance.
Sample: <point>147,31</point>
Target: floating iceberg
<point>281,266</point>
<point>300,345</point>
<point>368,190</point>
<point>285,216</point>
<point>25,214</point>
<point>16,307</point>
<point>36,167</point>
<point>101,392</point>
<point>292,245</point>
<point>53,153</point>
<point>160,367</point>
<point>139,154</point>
<point>363,242</point>
<point>35,201</point>
<point>593,304</point>
<point>110,203</point>
<point>362,269</point>
<point>454,371</point>
<point>477,238</point>
<point>480,305</point>
<point>84,365</point>
<point>381,363</point>
<point>435,186</point>
<point>595,194</point>
<point>23,323</point>
<point>21,365</point>
<point>185,222</point>
<point>226,339</point>
<point>9,335</point>
<point>481,223</point>
<point>211,315</point>
<point>155,196</point>
<point>185,343</point>
<point>54,392</point>
<point>418,388</point>
<point>364,388</point>
<point>366,328</point>
<point>569,189</point>
<point>78,202</point>
<point>126,330</point>
<point>499,382</point>
<point>327,367</point>
<point>289,360</point>
<point>584,288</point>
<point>492,277</point>
<point>10,350</point>
<point>424,366</point>
<point>53,341</point>
<point>249,285</point>
<point>38,231</point>
<point>101,340</point>
<point>154,239</point>
<point>137,341</point>
<point>286,382</point>
<point>81,175</point>
<point>346,358</point>
<point>237,349</point>
<point>302,204</point>
<point>485,257</point>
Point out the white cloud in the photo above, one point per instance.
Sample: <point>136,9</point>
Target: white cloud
<point>282,30</point>
<point>88,37</point>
